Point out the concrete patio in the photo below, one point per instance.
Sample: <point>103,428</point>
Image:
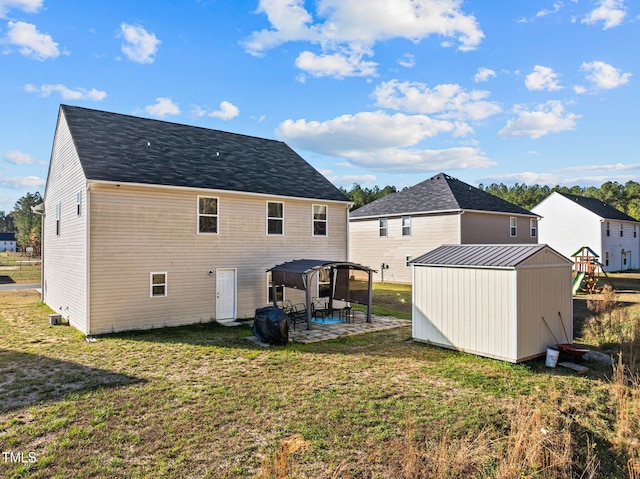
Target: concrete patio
<point>326,332</point>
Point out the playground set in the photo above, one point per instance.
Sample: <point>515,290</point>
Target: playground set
<point>586,271</point>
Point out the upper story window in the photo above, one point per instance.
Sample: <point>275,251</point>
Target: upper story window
<point>382,224</point>
<point>407,260</point>
<point>207,214</point>
<point>319,220</point>
<point>79,203</point>
<point>621,230</point>
<point>275,218</point>
<point>533,227</point>
<point>158,284</point>
<point>513,226</point>
<point>608,229</point>
<point>58,211</point>
<point>406,226</point>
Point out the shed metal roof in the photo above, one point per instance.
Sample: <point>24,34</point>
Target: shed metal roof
<point>128,149</point>
<point>482,255</point>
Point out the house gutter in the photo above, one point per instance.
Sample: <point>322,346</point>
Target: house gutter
<point>440,212</point>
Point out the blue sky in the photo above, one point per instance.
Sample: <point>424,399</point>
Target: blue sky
<point>374,92</point>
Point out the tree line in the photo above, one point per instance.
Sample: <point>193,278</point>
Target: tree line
<point>22,221</point>
<point>624,197</point>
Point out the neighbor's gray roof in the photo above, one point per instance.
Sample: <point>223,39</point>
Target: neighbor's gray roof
<point>599,207</point>
<point>482,255</point>
<point>128,149</point>
<point>7,236</point>
<point>439,193</point>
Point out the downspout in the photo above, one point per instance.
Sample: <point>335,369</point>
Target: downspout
<point>88,259</point>
<point>460,226</point>
<point>39,210</point>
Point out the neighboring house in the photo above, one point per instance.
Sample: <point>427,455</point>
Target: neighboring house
<point>569,222</point>
<point>8,242</point>
<point>441,210</point>
<point>150,224</point>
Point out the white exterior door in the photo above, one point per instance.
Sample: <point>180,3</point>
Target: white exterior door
<point>225,294</point>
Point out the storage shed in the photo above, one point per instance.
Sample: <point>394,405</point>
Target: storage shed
<point>490,300</point>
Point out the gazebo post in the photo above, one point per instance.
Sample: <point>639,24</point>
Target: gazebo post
<point>369,296</point>
<point>308,297</point>
<point>331,283</point>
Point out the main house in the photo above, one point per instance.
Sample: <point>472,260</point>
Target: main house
<point>569,222</point>
<point>391,231</point>
<point>150,224</point>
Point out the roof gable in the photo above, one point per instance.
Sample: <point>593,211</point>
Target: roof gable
<point>598,207</point>
<point>439,193</point>
<point>127,149</point>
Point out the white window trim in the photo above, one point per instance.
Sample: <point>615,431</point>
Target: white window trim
<point>274,218</point>
<point>513,226</point>
<point>386,227</point>
<point>270,301</point>
<point>217,215</point>
<point>325,221</point>
<point>58,215</point>
<point>165,284</point>
<point>402,227</point>
<point>533,228</point>
<point>79,203</point>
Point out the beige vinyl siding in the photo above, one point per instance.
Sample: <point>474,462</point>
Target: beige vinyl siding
<point>65,255</point>
<point>427,232</point>
<point>137,230</point>
<point>486,228</point>
<point>467,309</point>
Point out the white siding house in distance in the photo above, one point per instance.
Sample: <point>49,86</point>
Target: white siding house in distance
<point>150,224</point>
<point>8,242</point>
<point>401,226</point>
<point>489,300</point>
<point>569,222</point>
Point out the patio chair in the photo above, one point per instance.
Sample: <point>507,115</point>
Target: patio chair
<point>297,314</point>
<point>319,308</point>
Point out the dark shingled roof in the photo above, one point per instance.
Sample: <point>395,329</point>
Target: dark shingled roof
<point>482,255</point>
<point>7,236</point>
<point>439,193</point>
<point>599,207</point>
<point>129,149</point>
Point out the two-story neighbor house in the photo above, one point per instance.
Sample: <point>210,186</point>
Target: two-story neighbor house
<point>401,226</point>
<point>8,242</point>
<point>569,222</point>
<point>149,223</point>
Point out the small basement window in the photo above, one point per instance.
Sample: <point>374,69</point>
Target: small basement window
<point>158,284</point>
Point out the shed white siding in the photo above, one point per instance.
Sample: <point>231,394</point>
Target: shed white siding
<point>495,312</point>
<point>65,254</point>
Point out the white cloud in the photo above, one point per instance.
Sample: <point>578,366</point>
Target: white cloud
<point>163,107</point>
<point>30,42</point>
<point>547,118</point>
<point>526,177</point>
<point>369,131</point>
<point>336,65</point>
<point>348,180</point>
<point>483,74</point>
<point>227,111</point>
<point>347,29</point>
<point>381,141</point>
<point>611,167</point>
<point>610,12</point>
<point>542,78</point>
<point>29,6</point>
<point>67,93</point>
<point>408,60</point>
<point>21,182</point>
<point>19,158</point>
<point>580,89</point>
<point>447,101</point>
<point>605,76</point>
<point>556,8</point>
<point>140,46</point>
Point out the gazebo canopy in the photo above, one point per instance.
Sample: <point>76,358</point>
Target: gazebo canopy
<point>345,285</point>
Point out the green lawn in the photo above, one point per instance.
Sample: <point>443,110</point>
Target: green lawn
<point>15,268</point>
<point>203,401</point>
